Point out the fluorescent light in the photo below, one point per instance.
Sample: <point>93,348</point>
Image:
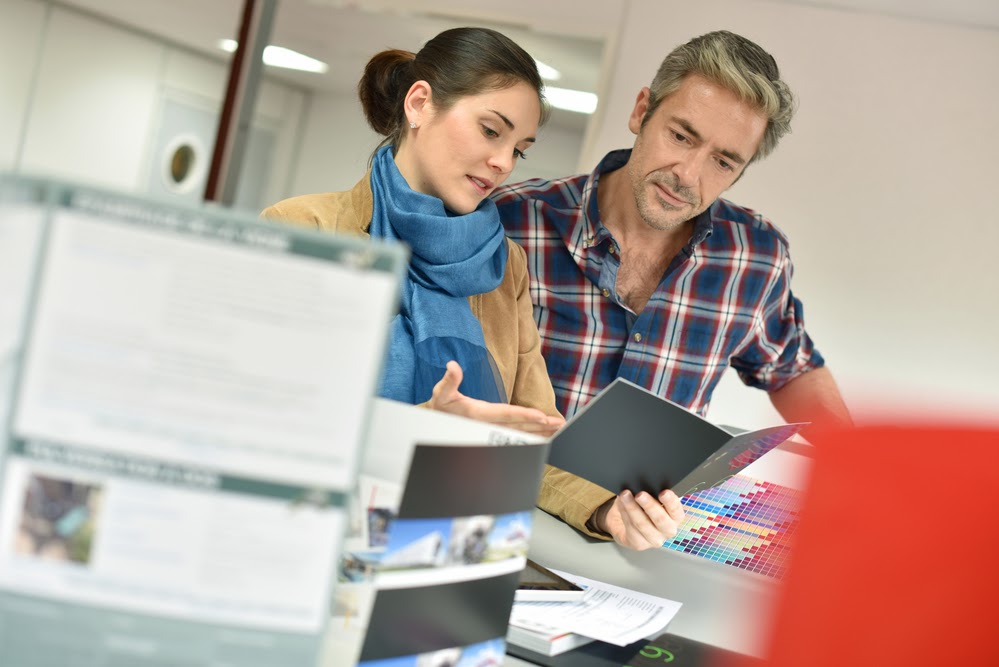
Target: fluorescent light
<point>547,71</point>
<point>571,100</point>
<point>278,56</point>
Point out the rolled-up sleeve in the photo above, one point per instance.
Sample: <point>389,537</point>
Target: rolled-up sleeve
<point>780,348</point>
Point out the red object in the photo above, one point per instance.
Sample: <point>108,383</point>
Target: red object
<point>896,561</point>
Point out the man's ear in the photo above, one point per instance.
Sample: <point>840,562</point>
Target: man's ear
<point>638,113</point>
<point>418,103</point>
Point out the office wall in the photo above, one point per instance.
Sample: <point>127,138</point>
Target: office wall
<point>82,99</point>
<point>884,187</point>
<point>20,37</point>
<point>337,143</point>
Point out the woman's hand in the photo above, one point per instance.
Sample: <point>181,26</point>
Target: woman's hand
<point>447,398</point>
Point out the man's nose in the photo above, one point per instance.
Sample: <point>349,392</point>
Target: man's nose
<point>688,170</point>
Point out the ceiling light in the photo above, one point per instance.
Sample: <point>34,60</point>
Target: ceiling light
<point>571,100</point>
<point>547,71</point>
<point>278,56</point>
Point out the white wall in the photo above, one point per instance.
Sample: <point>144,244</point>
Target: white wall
<point>884,188</point>
<point>81,97</point>
<point>337,143</point>
<point>20,37</point>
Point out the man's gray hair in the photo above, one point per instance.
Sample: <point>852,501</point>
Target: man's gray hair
<point>737,64</point>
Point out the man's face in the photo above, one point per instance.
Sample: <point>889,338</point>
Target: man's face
<point>693,147</point>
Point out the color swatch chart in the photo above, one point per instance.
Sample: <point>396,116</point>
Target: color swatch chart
<point>743,522</point>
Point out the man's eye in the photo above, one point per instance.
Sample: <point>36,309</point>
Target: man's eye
<point>725,165</point>
<point>679,137</point>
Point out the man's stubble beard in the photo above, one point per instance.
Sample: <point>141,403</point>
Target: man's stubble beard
<point>652,213</point>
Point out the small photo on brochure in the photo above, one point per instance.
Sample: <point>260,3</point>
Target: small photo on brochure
<point>358,566</point>
<point>374,507</point>
<point>510,536</point>
<point>434,543</point>
<point>417,544</point>
<point>379,519</point>
<point>58,519</point>
<point>484,654</point>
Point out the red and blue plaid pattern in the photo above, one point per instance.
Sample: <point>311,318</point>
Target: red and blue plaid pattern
<point>724,301</point>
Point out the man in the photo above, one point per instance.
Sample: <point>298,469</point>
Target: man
<point>639,270</point>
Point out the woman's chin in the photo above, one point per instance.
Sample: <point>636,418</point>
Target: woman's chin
<point>463,207</point>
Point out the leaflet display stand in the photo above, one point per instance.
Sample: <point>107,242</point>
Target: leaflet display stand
<point>446,581</point>
<point>184,428</point>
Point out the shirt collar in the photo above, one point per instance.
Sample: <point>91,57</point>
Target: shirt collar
<point>703,226</point>
<point>589,231</point>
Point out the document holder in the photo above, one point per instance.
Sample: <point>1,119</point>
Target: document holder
<point>185,419</point>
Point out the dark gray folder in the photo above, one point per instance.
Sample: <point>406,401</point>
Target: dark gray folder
<point>629,438</point>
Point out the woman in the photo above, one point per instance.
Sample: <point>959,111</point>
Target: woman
<point>456,117</point>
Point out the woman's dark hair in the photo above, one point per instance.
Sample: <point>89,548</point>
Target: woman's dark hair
<point>456,63</point>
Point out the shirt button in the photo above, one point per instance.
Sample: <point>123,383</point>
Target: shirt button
<point>587,242</point>
<point>605,292</point>
<point>637,337</point>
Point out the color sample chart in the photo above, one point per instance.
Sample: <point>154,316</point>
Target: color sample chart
<point>743,522</point>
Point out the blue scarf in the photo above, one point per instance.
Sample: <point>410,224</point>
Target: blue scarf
<point>452,258</point>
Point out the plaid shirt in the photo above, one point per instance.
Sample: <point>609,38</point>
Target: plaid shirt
<point>725,300</point>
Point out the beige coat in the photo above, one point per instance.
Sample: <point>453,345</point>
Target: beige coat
<point>508,326</point>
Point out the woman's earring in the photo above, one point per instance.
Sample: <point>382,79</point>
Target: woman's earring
<point>412,126</point>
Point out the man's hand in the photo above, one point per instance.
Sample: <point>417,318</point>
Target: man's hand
<point>640,522</point>
<point>447,398</point>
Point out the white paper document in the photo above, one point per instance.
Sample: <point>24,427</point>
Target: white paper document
<point>20,228</point>
<point>607,613</point>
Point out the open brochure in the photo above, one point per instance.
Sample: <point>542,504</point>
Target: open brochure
<point>629,438</point>
<point>187,396</point>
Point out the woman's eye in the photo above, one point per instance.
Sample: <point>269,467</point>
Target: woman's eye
<point>517,153</point>
<point>489,132</point>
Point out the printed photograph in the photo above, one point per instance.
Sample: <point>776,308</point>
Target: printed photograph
<point>379,519</point>
<point>373,507</point>
<point>58,519</point>
<point>358,566</point>
<point>417,544</point>
<point>510,536</point>
<point>472,540</point>
<point>469,544</point>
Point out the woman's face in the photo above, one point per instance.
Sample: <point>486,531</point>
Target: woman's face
<point>462,154</point>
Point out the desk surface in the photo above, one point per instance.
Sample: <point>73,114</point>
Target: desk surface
<point>722,605</point>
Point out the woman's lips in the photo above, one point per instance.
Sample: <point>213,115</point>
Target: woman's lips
<point>482,185</point>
